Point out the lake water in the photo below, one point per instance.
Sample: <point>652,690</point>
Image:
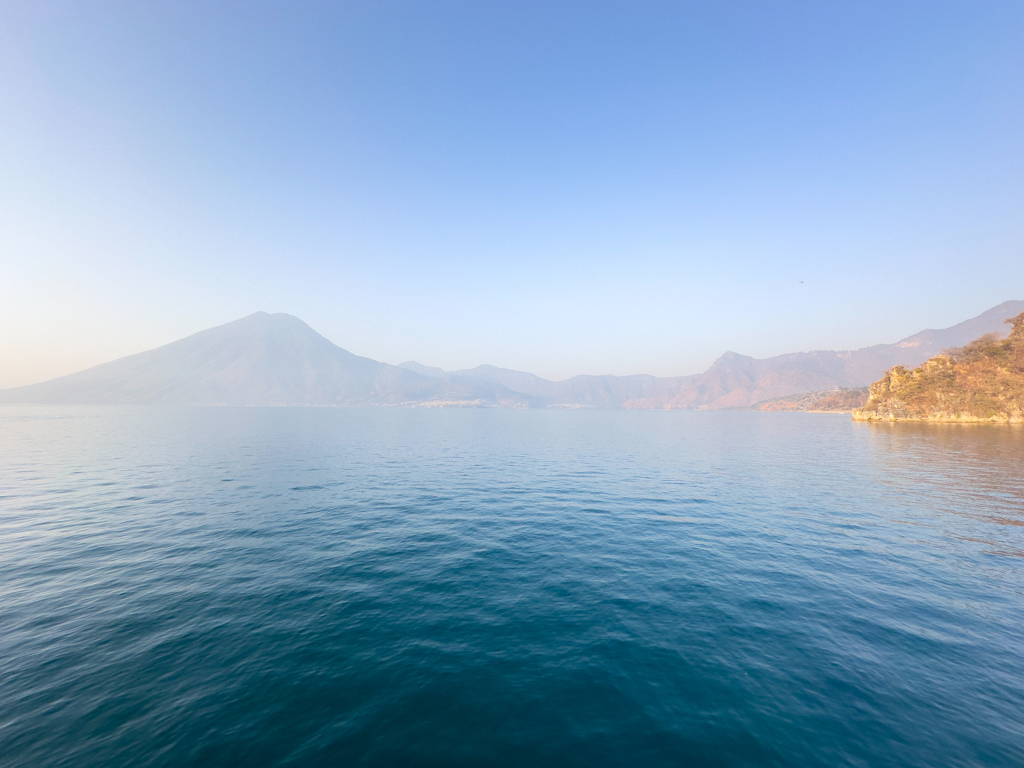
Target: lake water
<point>392,587</point>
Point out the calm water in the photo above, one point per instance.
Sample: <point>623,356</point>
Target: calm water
<point>388,587</point>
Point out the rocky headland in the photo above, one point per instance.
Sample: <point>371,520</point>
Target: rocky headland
<point>979,383</point>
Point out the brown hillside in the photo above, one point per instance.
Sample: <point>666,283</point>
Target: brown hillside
<point>826,401</point>
<point>981,382</point>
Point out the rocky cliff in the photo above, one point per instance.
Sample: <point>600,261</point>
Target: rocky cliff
<point>981,382</point>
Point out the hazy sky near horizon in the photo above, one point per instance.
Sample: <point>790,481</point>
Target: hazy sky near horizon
<point>562,188</point>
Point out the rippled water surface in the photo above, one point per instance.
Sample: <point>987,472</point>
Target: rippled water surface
<point>390,587</point>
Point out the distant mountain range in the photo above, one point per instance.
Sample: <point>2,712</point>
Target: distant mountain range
<point>276,359</point>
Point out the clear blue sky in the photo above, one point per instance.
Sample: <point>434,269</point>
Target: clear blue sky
<point>558,187</point>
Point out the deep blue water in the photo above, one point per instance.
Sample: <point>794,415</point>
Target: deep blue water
<point>390,587</point>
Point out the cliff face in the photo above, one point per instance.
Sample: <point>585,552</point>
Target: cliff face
<point>981,382</point>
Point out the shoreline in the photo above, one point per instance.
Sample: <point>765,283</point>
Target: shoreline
<point>939,418</point>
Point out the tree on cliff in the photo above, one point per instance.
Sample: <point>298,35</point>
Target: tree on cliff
<point>1016,342</point>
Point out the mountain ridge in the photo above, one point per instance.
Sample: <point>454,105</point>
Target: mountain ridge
<point>277,359</point>
<point>260,359</point>
<point>735,380</point>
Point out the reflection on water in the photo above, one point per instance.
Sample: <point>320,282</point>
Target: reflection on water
<point>427,587</point>
<point>963,478</point>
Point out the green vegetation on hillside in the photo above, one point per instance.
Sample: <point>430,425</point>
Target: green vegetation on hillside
<point>983,381</point>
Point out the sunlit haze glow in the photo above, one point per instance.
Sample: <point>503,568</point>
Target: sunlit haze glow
<point>561,188</point>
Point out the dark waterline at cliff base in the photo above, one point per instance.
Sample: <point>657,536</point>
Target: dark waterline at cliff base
<point>379,587</point>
